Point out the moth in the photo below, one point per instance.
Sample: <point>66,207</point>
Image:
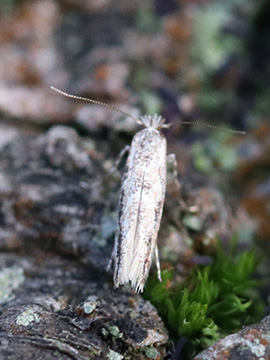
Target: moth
<point>140,205</point>
<point>141,200</point>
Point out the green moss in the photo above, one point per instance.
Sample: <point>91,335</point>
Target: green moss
<point>213,302</point>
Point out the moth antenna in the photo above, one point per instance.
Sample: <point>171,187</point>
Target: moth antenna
<point>93,102</point>
<point>213,127</point>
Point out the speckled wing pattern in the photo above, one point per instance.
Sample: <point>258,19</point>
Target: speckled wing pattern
<point>140,208</point>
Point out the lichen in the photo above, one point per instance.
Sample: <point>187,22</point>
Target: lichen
<point>115,332</point>
<point>151,352</point>
<point>113,355</point>
<point>10,279</point>
<point>90,304</point>
<point>27,317</point>
<point>89,307</point>
<point>256,347</point>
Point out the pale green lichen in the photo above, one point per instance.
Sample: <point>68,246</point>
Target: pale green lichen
<point>150,352</point>
<point>104,332</point>
<point>27,317</point>
<point>115,332</point>
<point>113,355</point>
<point>256,348</point>
<point>10,279</point>
<point>90,305</point>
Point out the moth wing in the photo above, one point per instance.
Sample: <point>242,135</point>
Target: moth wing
<point>140,208</point>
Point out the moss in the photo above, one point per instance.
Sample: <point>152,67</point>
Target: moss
<point>213,302</point>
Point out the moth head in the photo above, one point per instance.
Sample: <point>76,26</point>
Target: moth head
<point>155,121</point>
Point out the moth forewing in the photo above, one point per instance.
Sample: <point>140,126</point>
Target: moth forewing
<point>140,208</point>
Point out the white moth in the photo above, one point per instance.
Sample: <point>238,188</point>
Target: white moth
<point>141,200</point>
<point>140,205</point>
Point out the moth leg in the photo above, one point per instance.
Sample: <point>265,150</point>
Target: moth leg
<point>112,256</point>
<point>114,168</point>
<point>110,262</point>
<point>121,155</point>
<point>172,162</point>
<point>171,159</point>
<point>158,263</point>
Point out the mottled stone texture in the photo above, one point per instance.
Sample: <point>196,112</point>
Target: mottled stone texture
<point>51,195</point>
<point>251,343</point>
<point>56,216</point>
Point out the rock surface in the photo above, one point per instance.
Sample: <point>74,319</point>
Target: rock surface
<point>57,308</point>
<point>251,343</point>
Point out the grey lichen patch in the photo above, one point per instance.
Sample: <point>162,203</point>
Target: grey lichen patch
<point>10,279</point>
<point>113,355</point>
<point>112,331</point>
<point>257,348</point>
<point>115,332</point>
<point>89,307</point>
<point>90,304</point>
<point>27,317</point>
<point>104,332</point>
<point>151,352</point>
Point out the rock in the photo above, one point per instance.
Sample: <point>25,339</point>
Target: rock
<point>51,194</point>
<point>251,343</point>
<point>44,315</point>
